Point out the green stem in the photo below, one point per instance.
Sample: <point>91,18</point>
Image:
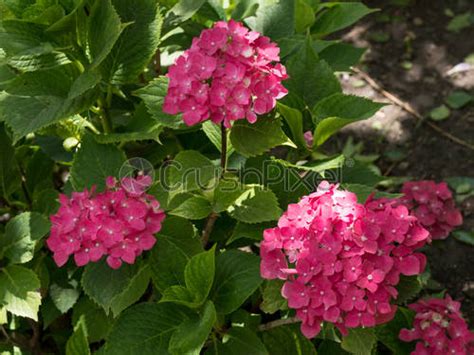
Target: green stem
<point>105,113</point>
<point>223,149</point>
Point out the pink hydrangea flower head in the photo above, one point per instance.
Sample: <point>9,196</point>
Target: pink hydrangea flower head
<point>439,328</point>
<point>341,260</point>
<point>228,74</point>
<point>433,205</point>
<point>118,223</point>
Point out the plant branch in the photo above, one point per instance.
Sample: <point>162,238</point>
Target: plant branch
<point>278,323</point>
<point>14,342</point>
<point>208,227</point>
<point>211,219</point>
<point>408,108</point>
<point>34,341</point>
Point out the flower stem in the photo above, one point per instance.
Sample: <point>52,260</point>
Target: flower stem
<point>105,113</point>
<point>223,149</point>
<point>208,227</point>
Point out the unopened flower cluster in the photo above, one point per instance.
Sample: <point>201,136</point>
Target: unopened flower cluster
<point>433,205</point>
<point>119,223</point>
<point>439,328</point>
<point>342,260</point>
<point>228,74</point>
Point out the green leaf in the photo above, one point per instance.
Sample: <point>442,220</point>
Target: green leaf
<point>141,127</point>
<point>237,277</point>
<point>408,288</point>
<point>145,329</point>
<point>125,137</point>
<point>175,245</point>
<point>19,36</point>
<point>342,56</point>
<point>364,191</point>
<point>238,341</point>
<point>118,288</point>
<point>254,139</point>
<point>227,191</point>
<point>68,22</point>
<point>104,29</point>
<point>213,132</point>
<point>38,58</point>
<point>459,99</point>
<point>294,119</point>
<point>464,236</point>
<point>244,9</point>
<point>38,99</point>
<point>63,298</point>
<point>179,295</point>
<point>21,235</point>
<point>97,322</point>
<point>190,336</point>
<point>196,207</point>
<point>248,231</point>
<point>26,114</point>
<point>331,347</point>
<point>360,341</point>
<point>94,162</point>
<point>255,205</point>
<point>48,312</point>
<point>273,301</point>
<point>304,16</point>
<point>310,78</point>
<point>199,274</point>
<point>337,111</point>
<point>440,113</point>
<point>337,16</point>
<point>460,22</point>
<point>137,43</point>
<point>287,340</point>
<point>19,291</point>
<point>388,333</point>
<point>360,174</point>
<point>274,18</point>
<point>77,344</point>
<point>9,173</point>
<point>153,95</point>
<point>84,82</point>
<point>318,166</point>
<point>189,171</point>
<point>3,316</point>
<point>181,12</point>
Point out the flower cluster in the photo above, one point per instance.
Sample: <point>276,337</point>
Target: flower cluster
<point>119,223</point>
<point>433,205</point>
<point>342,260</point>
<point>228,74</point>
<point>440,328</point>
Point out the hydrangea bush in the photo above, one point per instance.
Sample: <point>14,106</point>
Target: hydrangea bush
<point>164,187</point>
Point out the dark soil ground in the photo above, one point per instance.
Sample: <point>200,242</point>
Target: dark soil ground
<point>409,54</point>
